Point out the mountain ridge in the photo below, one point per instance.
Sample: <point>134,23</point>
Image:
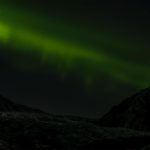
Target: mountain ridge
<point>132,112</point>
<point>6,105</point>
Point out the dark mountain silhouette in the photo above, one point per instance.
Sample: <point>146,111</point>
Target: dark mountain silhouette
<point>24,128</point>
<point>7,105</point>
<point>133,112</point>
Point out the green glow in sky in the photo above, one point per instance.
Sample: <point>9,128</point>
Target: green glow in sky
<point>70,55</point>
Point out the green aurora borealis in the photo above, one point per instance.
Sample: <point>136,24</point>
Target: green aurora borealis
<point>105,55</point>
<point>24,38</point>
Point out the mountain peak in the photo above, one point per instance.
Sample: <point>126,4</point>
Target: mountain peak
<point>133,112</point>
<point>7,105</point>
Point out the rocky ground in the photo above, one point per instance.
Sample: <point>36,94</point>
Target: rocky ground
<point>24,128</point>
<point>31,131</point>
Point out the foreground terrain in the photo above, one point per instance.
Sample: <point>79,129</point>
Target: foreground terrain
<point>24,128</point>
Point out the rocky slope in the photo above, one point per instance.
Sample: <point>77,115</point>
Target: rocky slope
<point>132,113</point>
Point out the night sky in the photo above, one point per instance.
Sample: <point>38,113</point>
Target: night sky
<point>74,57</point>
